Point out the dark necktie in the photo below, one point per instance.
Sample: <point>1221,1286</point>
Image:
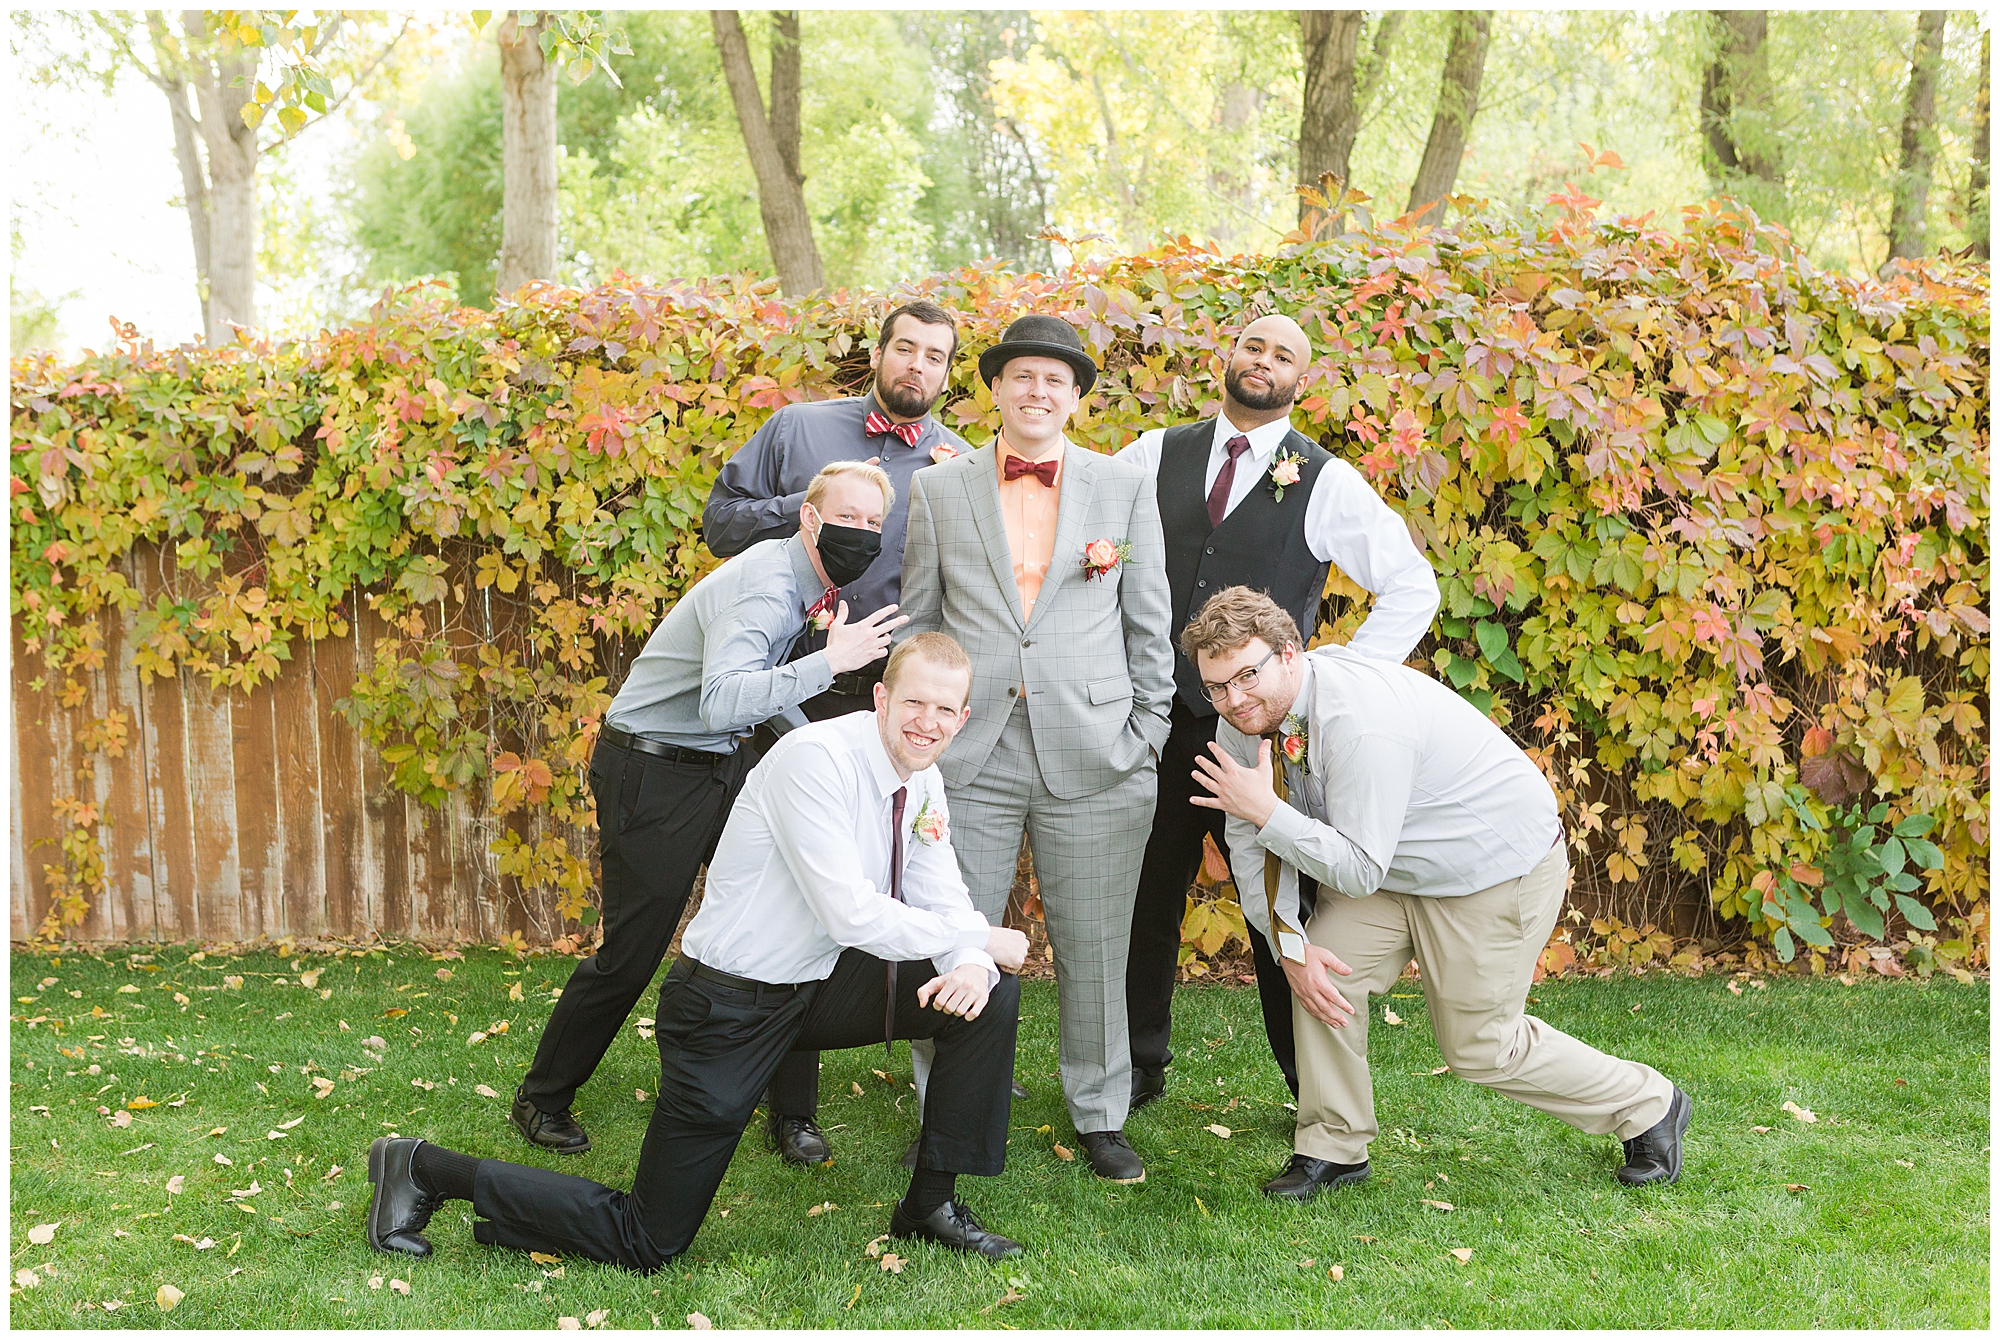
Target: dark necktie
<point>896,892</point>
<point>1045,471</point>
<point>1284,790</point>
<point>1225,479</point>
<point>877,423</point>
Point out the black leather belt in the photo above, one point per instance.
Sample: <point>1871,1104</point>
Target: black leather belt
<point>855,684</point>
<point>721,978</point>
<point>673,753</point>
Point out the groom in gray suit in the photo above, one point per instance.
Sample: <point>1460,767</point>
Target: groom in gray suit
<point>1045,561</point>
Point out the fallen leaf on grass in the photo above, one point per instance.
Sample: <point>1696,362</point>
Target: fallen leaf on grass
<point>43,1234</point>
<point>322,1086</point>
<point>374,1281</point>
<point>875,1248</point>
<point>224,1160</point>
<point>1735,988</point>
<point>1220,1131</point>
<point>1003,1300</point>
<point>255,1189</point>
<point>376,1042</point>
<point>394,1012</point>
<point>1442,1070</point>
<point>423,1084</point>
<point>1336,1274</point>
<point>1307,1264</point>
<point>1804,1114</point>
<point>217,1130</point>
<point>128,990</point>
<point>180,999</point>
<point>200,1246</point>
<point>331,1173</point>
<point>168,1297</point>
<point>400,1286</point>
<point>849,1304</point>
<point>475,1039</point>
<point>568,1324</point>
<point>121,1119</point>
<point>596,1319</point>
<point>310,977</point>
<point>1390,1017</point>
<point>27,1279</point>
<point>442,974</point>
<point>1199,1206</point>
<point>543,1258</point>
<point>820,1209</point>
<point>514,992</point>
<point>1438,1204</point>
<point>858,1090</point>
<point>233,982</point>
<point>484,1091</point>
<point>893,1263</point>
<point>1904,1163</point>
<point>697,1322</point>
<point>1464,1255</point>
<point>113,1304</point>
<point>1064,1153</point>
<point>175,1183</point>
<point>1797,1186</point>
<point>1363,1237</point>
<point>141,1103</point>
<point>1761,1130</point>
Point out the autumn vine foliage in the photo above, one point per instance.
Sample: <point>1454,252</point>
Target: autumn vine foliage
<point>1710,524</point>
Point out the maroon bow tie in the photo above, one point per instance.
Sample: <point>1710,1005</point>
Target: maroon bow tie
<point>877,423</point>
<point>1014,467</point>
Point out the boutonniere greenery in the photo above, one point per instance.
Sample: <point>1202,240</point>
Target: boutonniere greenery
<point>928,826</point>
<point>1284,472</point>
<point>1292,742</point>
<point>820,620</point>
<point>1102,556</point>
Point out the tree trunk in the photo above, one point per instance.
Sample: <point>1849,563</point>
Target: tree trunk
<point>1913,174</point>
<point>1458,103</point>
<point>1979,218</point>
<point>527,157</point>
<point>231,147</point>
<point>1338,85</point>
<point>1739,135</point>
<point>172,81</point>
<point>781,196</point>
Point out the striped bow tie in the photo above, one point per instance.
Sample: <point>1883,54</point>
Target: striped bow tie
<point>825,604</point>
<point>877,423</point>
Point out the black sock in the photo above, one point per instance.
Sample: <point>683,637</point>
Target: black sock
<point>443,1172</point>
<point>928,1190</point>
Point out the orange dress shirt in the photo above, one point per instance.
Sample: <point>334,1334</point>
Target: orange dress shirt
<point>1029,509</point>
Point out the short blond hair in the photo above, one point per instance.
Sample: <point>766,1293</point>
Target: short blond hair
<point>1232,617</point>
<point>832,470</point>
<point>940,649</point>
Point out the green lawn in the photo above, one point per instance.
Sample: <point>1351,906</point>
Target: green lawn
<point>1890,1226</point>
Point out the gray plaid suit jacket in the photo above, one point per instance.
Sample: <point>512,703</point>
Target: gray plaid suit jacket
<point>1094,656</point>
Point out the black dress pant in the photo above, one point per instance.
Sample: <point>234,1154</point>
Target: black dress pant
<point>1173,854</point>
<point>658,821</point>
<point>795,1086</point>
<point>719,1045</point>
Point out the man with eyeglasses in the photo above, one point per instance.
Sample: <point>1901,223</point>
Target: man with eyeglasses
<point>1430,835</point>
<point>1247,500</point>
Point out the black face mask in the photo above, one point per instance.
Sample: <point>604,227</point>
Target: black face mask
<point>846,551</point>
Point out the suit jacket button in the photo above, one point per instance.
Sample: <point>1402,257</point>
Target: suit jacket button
<point>1012,690</point>
<point>1209,550</point>
<point>1026,643</point>
<point>1202,583</point>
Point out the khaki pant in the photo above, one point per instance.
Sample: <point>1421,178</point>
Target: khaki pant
<point>1477,955</point>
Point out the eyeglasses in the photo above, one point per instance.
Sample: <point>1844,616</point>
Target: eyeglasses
<point>1243,682</point>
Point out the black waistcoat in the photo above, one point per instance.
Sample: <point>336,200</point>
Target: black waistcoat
<point>1261,544</point>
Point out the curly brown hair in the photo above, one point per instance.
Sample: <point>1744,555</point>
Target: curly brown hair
<point>1233,616</point>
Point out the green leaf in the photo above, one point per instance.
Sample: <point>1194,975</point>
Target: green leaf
<point>1781,940</point>
<point>1492,638</point>
<point>1915,826</point>
<point>1903,882</point>
<point>1460,671</point>
<point>1865,918</point>
<point>1890,855</point>
<point>1916,913</point>
<point>1814,934</point>
<point>1712,428</point>
<point>1879,813</point>
<point>292,119</point>
<point>1924,855</point>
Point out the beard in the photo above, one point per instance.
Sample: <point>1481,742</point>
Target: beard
<point>1275,397</point>
<point>903,401</point>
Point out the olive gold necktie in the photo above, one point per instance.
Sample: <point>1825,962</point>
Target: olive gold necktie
<point>1279,927</point>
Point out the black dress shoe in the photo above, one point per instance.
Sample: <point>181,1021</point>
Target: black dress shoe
<point>1305,1177</point>
<point>402,1204</point>
<point>952,1225</point>
<point>1111,1156</point>
<point>551,1130</point>
<point>798,1139</point>
<point>1655,1155</point>
<point>1147,1085</point>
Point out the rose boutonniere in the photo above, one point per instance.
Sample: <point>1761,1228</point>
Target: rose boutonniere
<point>942,453</point>
<point>928,827</point>
<point>819,620</point>
<point>1292,742</point>
<point>1102,556</point>
<point>1284,473</point>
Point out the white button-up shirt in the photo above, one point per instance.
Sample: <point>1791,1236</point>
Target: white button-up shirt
<point>1347,524</point>
<point>802,869</point>
<point>1409,788</point>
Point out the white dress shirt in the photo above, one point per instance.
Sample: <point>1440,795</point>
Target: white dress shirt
<point>1347,524</point>
<point>802,869</point>
<point>1410,789</point>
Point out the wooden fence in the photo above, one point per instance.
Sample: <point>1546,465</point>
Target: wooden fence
<point>236,815</point>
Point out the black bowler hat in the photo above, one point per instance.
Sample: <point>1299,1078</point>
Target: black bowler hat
<point>1040,337</point>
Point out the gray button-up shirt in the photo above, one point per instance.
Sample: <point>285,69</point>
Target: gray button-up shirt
<point>1409,789</point>
<point>757,495</point>
<point>712,670</point>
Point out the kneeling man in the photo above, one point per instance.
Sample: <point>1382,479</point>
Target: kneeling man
<point>1444,838</point>
<point>835,868</point>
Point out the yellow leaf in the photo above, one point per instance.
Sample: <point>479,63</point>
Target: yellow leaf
<point>168,1297</point>
<point>310,977</point>
<point>543,1258</point>
<point>1336,1274</point>
<point>1199,1206</point>
<point>1464,1255</point>
<point>128,990</point>
<point>1390,1017</point>
<point>514,992</point>
<point>141,1103</point>
<point>1804,1114</point>
<point>1220,1131</point>
<point>1063,1153</point>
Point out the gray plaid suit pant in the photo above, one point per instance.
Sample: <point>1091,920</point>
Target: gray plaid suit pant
<point>1087,854</point>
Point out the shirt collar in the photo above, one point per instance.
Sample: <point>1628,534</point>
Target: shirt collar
<point>804,579</point>
<point>1263,441</point>
<point>869,744</point>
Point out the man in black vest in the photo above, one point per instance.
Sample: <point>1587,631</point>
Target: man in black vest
<point>1247,500</point>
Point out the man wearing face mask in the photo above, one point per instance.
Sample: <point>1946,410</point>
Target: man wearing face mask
<point>757,497</point>
<point>672,755</point>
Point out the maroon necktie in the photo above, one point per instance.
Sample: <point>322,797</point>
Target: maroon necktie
<point>1225,479</point>
<point>825,604</point>
<point>877,423</point>
<point>1045,471</point>
<point>896,892</point>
